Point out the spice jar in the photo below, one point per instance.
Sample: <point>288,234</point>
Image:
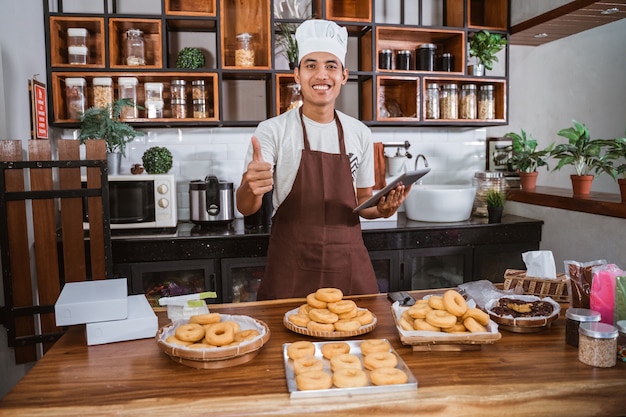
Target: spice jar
<point>153,100</point>
<point>198,90</point>
<point>425,57</point>
<point>445,62</point>
<point>244,55</point>
<point>102,92</point>
<point>199,109</point>
<point>179,108</point>
<point>597,344</point>
<point>295,99</point>
<point>77,49</point>
<point>484,181</point>
<point>432,101</point>
<point>574,317</point>
<point>403,60</point>
<point>75,97</point>
<point>621,340</point>
<point>384,59</point>
<point>468,101</point>
<point>486,104</point>
<point>127,88</point>
<point>135,51</point>
<point>448,100</point>
<point>177,89</point>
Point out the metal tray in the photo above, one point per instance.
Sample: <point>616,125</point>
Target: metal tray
<point>355,349</point>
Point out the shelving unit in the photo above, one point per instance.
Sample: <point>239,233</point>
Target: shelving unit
<point>245,95</point>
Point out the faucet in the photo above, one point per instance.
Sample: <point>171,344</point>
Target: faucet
<point>417,159</point>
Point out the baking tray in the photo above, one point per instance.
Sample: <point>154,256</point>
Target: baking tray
<point>355,349</point>
<point>327,335</point>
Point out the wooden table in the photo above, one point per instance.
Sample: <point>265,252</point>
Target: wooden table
<point>521,374</point>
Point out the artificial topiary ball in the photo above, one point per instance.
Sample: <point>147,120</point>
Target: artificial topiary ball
<point>190,58</point>
<point>157,160</point>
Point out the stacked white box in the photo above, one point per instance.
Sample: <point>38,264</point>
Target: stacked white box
<point>92,301</point>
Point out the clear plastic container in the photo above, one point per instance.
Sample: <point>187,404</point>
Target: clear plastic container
<point>135,48</point>
<point>75,97</point>
<point>198,90</point>
<point>485,181</point>
<point>77,46</point>
<point>573,318</point>
<point>127,88</point>
<point>102,92</point>
<point>179,108</point>
<point>153,100</point>
<point>199,109</point>
<point>486,103</point>
<point>177,90</point>
<point>449,102</point>
<point>621,340</point>
<point>244,54</point>
<point>432,101</point>
<point>467,106</point>
<point>597,344</point>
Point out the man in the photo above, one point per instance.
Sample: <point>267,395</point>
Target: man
<point>313,158</point>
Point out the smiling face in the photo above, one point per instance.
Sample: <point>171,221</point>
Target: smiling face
<point>321,76</point>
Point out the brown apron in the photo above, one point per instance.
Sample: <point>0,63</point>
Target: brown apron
<point>316,239</point>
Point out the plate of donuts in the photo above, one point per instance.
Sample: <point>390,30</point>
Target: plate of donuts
<point>444,322</point>
<point>349,367</point>
<point>328,315</point>
<point>213,340</point>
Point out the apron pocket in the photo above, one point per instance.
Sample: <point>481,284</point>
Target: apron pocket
<point>325,249</point>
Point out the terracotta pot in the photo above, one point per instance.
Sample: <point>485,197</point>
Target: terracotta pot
<point>581,184</point>
<point>622,188</point>
<point>528,180</point>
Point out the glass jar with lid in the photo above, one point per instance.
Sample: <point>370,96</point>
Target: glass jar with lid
<point>127,88</point>
<point>244,54</point>
<point>484,181</point>
<point>153,100</point>
<point>102,92</point>
<point>597,344</point>
<point>574,317</point>
<point>384,59</point>
<point>425,57</point>
<point>177,89</point>
<point>486,103</point>
<point>199,109</point>
<point>198,90</point>
<point>75,97</point>
<point>448,100</point>
<point>179,108</point>
<point>403,60</point>
<point>467,106</point>
<point>295,96</point>
<point>432,101</point>
<point>77,49</point>
<point>134,48</point>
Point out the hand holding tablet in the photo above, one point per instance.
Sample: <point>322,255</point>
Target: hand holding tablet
<point>407,179</point>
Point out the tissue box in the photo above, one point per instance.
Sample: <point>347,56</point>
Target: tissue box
<point>541,287</point>
<point>141,323</point>
<point>92,301</point>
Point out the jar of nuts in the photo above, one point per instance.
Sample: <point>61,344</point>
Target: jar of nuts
<point>486,104</point>
<point>468,101</point>
<point>244,54</point>
<point>448,102</point>
<point>597,344</point>
<point>102,92</point>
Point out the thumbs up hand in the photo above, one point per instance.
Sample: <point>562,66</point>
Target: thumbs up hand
<point>259,175</point>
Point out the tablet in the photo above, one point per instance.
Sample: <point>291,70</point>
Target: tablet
<point>407,178</point>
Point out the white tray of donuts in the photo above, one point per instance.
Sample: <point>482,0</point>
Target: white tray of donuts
<point>213,340</point>
<point>328,315</point>
<point>444,321</point>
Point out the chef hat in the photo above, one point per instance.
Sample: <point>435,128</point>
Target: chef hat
<point>322,36</point>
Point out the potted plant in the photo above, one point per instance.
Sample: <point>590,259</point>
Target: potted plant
<point>157,160</point>
<point>495,205</point>
<point>526,158</point>
<point>616,150</point>
<point>484,46</point>
<point>286,40</point>
<point>190,58</point>
<point>104,123</point>
<point>585,154</point>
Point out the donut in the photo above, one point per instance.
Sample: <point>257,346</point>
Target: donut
<point>314,302</point>
<point>307,363</point>
<point>364,316</point>
<point>342,306</point>
<point>245,335</point>
<point>200,346</point>
<point>304,309</point>
<point>454,303</point>
<point>349,378</point>
<point>374,345</point>
<point>457,328</point>
<point>345,360</point>
<point>313,380</point>
<point>298,320</point>
<point>329,295</point>
<point>300,349</point>
<point>173,340</point>
<point>419,311</point>
<point>320,327</point>
<point>388,376</point>
<point>347,325</point>
<point>473,325</point>
<point>322,315</point>
<point>236,326</point>
<point>440,318</point>
<point>436,302</point>
<point>190,332</point>
<point>380,360</point>
<point>422,324</point>
<point>477,314</point>
<point>220,334</point>
<point>209,318</point>
<point>350,314</point>
<point>335,348</point>
<point>406,324</point>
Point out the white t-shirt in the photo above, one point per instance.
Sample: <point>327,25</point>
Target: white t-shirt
<point>282,142</point>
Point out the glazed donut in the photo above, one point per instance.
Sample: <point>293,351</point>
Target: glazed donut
<point>173,340</point>
<point>370,346</point>
<point>335,348</point>
<point>440,318</point>
<point>320,327</point>
<point>300,349</point>
<point>342,306</point>
<point>314,302</point>
<point>454,303</point>
<point>307,363</point>
<point>457,328</point>
<point>298,320</point>
<point>190,332</point>
<point>209,318</point>
<point>388,376</point>
<point>348,378</point>
<point>477,314</point>
<point>304,309</point>
<point>345,360</point>
<point>419,311</point>
<point>350,314</point>
<point>312,380</point>
<point>422,324</point>
<point>322,315</point>
<point>329,295</point>
<point>220,334</point>
<point>245,335</point>
<point>473,325</point>
<point>236,326</point>
<point>364,316</point>
<point>380,360</point>
<point>347,325</point>
<point>436,302</point>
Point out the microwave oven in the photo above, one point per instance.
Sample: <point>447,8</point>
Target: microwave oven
<point>140,202</point>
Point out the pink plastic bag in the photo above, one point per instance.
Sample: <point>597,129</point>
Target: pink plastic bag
<point>602,297</point>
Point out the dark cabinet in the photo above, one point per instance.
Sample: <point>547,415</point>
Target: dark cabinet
<point>241,278</point>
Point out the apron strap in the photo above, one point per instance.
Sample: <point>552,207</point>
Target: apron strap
<point>307,145</point>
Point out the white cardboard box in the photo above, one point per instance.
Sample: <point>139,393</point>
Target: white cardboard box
<point>92,301</point>
<point>141,323</point>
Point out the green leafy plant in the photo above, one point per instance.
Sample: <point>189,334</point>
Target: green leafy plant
<point>104,123</point>
<point>484,45</point>
<point>190,58</point>
<point>495,198</point>
<point>525,156</point>
<point>286,40</point>
<point>616,150</point>
<point>157,160</point>
<point>585,154</point>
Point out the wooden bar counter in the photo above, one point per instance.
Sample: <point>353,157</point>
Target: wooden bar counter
<point>525,374</point>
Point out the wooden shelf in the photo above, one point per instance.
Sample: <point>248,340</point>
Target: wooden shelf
<point>152,34</point>
<point>190,7</point>
<point>95,40</point>
<point>481,14</point>
<point>253,17</point>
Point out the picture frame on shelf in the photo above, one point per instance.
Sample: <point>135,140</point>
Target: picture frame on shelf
<point>498,153</point>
